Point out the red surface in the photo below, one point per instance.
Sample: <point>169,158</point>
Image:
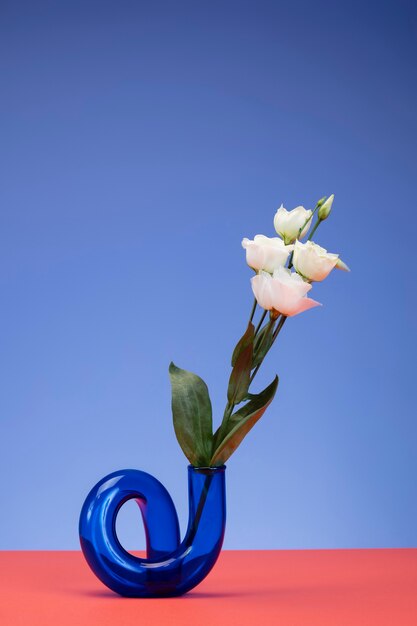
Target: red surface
<point>261,588</point>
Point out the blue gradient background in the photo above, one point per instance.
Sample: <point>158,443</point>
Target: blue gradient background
<point>139,143</point>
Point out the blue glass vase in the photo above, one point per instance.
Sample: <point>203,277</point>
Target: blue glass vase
<point>171,567</point>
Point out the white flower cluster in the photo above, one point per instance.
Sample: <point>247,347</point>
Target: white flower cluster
<point>276,287</point>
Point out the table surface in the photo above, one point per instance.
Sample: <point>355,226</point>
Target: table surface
<point>256,587</point>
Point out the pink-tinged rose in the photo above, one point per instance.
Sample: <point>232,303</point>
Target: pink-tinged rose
<point>288,223</point>
<point>266,253</point>
<point>284,292</point>
<point>312,261</point>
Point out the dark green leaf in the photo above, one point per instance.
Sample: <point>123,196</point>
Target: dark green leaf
<point>240,377</point>
<point>191,410</point>
<point>243,342</point>
<point>242,421</point>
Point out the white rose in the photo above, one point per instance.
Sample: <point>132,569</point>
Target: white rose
<point>284,292</point>
<point>288,223</point>
<point>312,261</point>
<point>266,253</point>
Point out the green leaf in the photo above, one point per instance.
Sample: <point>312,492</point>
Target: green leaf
<point>240,377</point>
<point>262,343</point>
<point>192,414</point>
<point>242,421</point>
<point>244,342</point>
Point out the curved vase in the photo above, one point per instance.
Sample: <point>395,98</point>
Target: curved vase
<point>171,568</point>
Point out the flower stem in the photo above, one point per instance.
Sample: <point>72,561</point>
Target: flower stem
<point>228,412</point>
<point>255,371</point>
<point>253,310</point>
<point>316,225</point>
<point>274,336</point>
<point>260,322</point>
<point>278,328</point>
<point>267,326</point>
<point>200,507</point>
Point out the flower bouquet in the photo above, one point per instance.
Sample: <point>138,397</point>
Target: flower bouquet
<point>285,268</point>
